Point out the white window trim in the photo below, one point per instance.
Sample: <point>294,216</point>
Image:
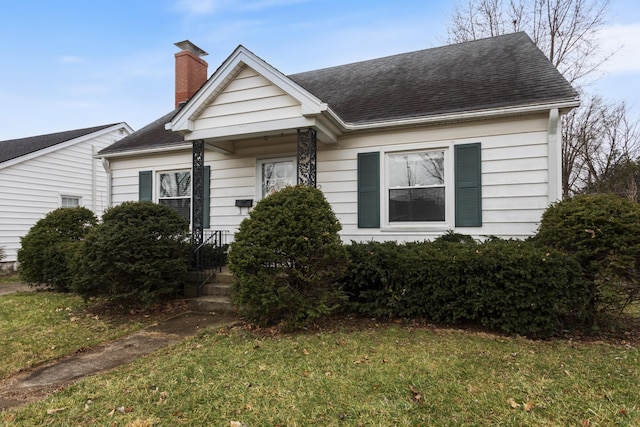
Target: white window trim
<point>261,161</point>
<point>70,196</point>
<point>449,173</point>
<point>156,187</point>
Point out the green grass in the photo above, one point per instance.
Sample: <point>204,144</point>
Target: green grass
<point>38,327</point>
<point>373,375</point>
<point>9,278</point>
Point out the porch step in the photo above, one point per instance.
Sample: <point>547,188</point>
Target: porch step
<point>215,295</point>
<point>209,304</point>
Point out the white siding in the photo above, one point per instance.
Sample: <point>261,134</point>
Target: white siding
<point>249,98</point>
<point>32,188</point>
<point>514,175</point>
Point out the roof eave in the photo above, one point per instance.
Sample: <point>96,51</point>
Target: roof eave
<point>143,151</point>
<point>563,105</point>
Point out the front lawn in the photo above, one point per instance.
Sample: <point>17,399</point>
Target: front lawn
<point>38,327</point>
<point>389,374</point>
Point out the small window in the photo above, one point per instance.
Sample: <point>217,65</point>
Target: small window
<point>416,185</point>
<point>275,174</point>
<point>69,201</point>
<point>175,191</point>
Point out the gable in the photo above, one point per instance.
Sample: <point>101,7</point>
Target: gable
<point>225,108</point>
<point>248,98</point>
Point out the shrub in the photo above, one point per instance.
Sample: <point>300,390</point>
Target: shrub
<point>137,255</point>
<point>286,259</point>
<point>511,286</point>
<point>44,256</point>
<point>603,233</point>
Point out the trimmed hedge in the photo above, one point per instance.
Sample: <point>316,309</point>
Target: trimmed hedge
<point>508,285</point>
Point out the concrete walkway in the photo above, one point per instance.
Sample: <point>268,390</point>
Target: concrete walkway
<point>40,382</point>
<point>11,288</point>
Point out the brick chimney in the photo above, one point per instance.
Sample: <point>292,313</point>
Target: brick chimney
<point>191,71</point>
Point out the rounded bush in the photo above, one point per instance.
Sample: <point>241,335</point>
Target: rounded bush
<point>286,259</point>
<point>603,232</point>
<point>44,256</point>
<point>137,255</point>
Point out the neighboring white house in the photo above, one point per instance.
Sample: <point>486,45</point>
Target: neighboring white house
<point>463,137</point>
<point>42,173</point>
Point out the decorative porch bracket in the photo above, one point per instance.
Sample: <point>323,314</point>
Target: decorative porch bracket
<point>197,180</point>
<point>307,157</point>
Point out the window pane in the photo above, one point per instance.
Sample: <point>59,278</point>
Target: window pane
<point>417,204</point>
<point>416,169</point>
<point>182,206</point>
<point>175,184</point>
<point>70,202</point>
<point>276,176</point>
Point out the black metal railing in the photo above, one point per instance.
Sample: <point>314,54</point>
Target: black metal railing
<point>210,256</point>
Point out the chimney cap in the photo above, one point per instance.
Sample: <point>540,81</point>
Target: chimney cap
<point>187,45</point>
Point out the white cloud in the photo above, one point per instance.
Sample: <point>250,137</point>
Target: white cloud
<point>69,59</point>
<point>200,7</point>
<point>625,41</point>
<point>209,7</point>
<point>266,4</point>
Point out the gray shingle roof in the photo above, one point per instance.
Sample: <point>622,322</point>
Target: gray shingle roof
<point>496,72</point>
<point>13,148</point>
<point>152,135</point>
<point>503,71</point>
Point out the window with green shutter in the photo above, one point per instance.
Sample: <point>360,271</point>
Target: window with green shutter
<point>420,186</point>
<point>174,190</point>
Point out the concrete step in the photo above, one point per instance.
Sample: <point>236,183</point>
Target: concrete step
<point>216,289</point>
<point>210,304</point>
<point>223,276</point>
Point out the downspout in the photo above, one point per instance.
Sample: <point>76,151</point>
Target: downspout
<point>94,191</point>
<point>554,139</point>
<point>107,168</point>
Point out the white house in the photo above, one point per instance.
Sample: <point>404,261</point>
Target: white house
<point>463,137</point>
<point>42,173</point>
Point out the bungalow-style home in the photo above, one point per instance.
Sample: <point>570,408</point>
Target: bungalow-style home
<point>407,147</point>
<point>42,173</point>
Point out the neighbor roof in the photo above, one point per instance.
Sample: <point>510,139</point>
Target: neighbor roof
<point>497,72</point>
<point>14,148</point>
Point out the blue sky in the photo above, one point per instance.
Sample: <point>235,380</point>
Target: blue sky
<point>68,64</point>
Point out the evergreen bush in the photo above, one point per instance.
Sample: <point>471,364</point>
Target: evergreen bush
<point>44,256</point>
<point>286,259</point>
<point>603,232</point>
<point>137,255</point>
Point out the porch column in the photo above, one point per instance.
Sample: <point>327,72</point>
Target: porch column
<point>307,157</point>
<point>197,197</point>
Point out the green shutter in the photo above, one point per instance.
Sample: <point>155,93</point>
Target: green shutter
<point>369,190</point>
<point>206,221</point>
<point>468,185</point>
<point>145,186</point>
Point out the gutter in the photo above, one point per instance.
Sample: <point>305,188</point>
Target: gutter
<point>176,147</point>
<point>457,117</point>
